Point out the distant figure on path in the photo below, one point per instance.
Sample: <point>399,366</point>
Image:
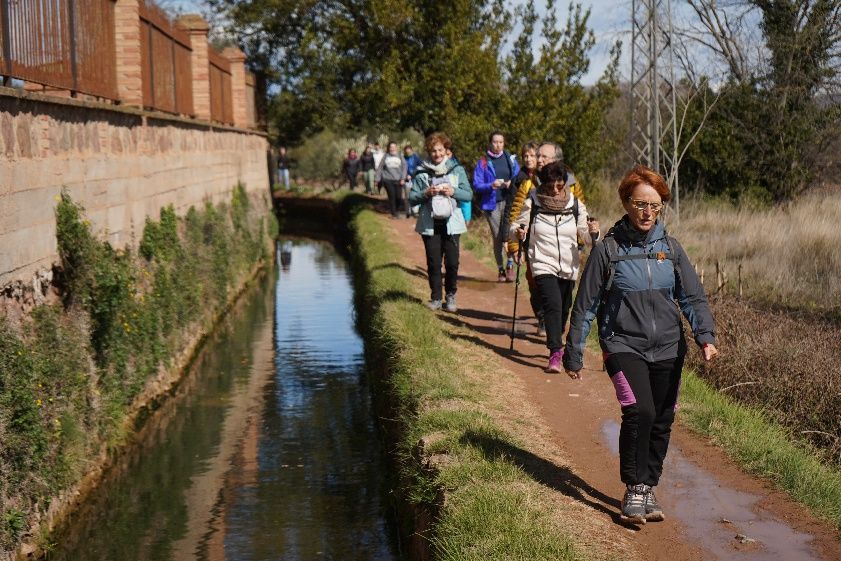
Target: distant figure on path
<point>412,163</point>
<point>283,166</point>
<point>378,158</point>
<point>368,169</point>
<point>351,167</point>
<point>439,184</point>
<point>634,283</point>
<point>392,174</point>
<point>491,179</point>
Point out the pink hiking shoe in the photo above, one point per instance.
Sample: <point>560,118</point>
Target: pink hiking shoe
<point>554,366</point>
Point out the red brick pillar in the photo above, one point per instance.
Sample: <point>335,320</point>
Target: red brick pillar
<point>198,28</point>
<point>127,39</point>
<point>238,96</point>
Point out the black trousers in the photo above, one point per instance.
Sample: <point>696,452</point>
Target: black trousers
<point>396,203</point>
<point>441,246</point>
<point>534,294</point>
<point>647,393</point>
<point>556,298</point>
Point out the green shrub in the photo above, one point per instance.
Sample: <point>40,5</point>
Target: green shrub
<point>70,373</point>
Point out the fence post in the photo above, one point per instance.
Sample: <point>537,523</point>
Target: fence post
<point>238,97</point>
<point>7,42</point>
<point>199,65</point>
<point>127,42</point>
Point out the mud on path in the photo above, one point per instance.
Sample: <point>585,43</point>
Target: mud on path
<point>708,500</point>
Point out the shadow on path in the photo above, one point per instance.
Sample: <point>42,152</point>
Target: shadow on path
<point>558,478</point>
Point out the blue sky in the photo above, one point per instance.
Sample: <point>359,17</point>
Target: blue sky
<point>610,20</point>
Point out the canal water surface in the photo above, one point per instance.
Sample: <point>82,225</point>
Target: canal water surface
<point>268,450</point>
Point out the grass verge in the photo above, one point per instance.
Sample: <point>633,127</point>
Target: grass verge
<point>469,456</point>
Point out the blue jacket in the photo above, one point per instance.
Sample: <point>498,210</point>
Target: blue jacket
<point>412,162</point>
<point>417,196</point>
<point>483,177</point>
<point>640,313</point>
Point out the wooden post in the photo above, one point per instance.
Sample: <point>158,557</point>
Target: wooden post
<point>740,280</point>
<point>717,276</point>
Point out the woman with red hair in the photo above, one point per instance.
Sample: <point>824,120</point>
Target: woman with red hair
<point>636,283</point>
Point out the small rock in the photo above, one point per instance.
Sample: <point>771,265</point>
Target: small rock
<point>725,521</point>
<point>741,538</point>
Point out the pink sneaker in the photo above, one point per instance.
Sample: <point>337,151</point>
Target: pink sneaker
<point>554,366</point>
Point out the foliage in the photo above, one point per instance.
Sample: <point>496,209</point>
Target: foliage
<point>398,65</point>
<point>767,137</point>
<point>70,374</point>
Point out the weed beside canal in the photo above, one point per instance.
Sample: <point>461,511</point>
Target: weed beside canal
<point>70,373</point>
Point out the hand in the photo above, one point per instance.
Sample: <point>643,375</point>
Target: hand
<point>431,191</point>
<point>498,183</point>
<point>447,190</point>
<point>574,374</point>
<point>593,226</point>
<point>521,232</point>
<point>709,352</point>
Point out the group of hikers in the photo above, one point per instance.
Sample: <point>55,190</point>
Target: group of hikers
<point>636,282</point>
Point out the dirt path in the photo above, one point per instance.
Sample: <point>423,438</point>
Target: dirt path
<point>708,501</point>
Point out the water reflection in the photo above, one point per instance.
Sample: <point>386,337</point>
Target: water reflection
<point>268,449</point>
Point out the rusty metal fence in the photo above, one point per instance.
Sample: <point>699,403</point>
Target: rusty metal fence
<point>221,106</point>
<point>165,58</point>
<point>65,44</point>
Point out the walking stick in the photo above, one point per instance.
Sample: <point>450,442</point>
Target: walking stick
<point>516,287</point>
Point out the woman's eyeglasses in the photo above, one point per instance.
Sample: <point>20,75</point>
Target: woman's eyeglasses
<point>642,205</point>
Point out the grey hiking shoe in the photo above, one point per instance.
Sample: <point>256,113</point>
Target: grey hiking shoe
<point>450,304</point>
<point>653,511</point>
<point>434,305</point>
<point>633,503</point>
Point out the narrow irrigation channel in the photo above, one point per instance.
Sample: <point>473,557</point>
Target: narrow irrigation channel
<point>269,448</point>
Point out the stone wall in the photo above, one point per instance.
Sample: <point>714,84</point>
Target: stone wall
<point>121,164</point>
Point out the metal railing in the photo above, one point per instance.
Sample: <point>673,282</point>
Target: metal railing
<point>165,58</point>
<point>65,44</point>
<point>221,106</point>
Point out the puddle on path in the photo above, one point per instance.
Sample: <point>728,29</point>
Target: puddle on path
<point>713,514</point>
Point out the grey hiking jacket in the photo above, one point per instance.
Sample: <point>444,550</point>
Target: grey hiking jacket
<point>640,313</point>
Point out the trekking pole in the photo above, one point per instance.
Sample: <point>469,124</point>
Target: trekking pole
<point>516,287</point>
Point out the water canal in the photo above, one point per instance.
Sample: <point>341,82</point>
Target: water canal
<point>268,450</point>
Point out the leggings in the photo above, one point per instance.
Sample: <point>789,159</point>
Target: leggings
<point>647,393</point>
<point>441,245</point>
<point>499,230</point>
<point>395,197</point>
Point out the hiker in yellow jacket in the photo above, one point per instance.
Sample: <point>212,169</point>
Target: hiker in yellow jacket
<point>534,158</point>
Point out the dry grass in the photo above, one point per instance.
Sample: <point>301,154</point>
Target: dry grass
<point>790,255</point>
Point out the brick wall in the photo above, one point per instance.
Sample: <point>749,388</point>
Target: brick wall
<point>120,164</point>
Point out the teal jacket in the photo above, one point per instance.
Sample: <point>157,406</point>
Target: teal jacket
<point>462,193</point>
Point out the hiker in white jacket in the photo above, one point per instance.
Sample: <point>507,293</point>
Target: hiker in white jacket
<point>553,221</point>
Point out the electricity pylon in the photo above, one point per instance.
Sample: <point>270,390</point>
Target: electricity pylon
<point>653,131</point>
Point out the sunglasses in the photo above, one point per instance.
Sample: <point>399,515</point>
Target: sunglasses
<point>642,205</point>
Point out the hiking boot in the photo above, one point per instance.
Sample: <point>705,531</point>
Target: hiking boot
<point>450,304</point>
<point>541,328</point>
<point>501,277</point>
<point>554,366</point>
<point>653,512</point>
<point>633,503</point>
<point>434,305</point>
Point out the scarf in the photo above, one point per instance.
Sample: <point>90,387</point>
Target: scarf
<point>495,155</point>
<point>555,203</point>
<point>440,169</point>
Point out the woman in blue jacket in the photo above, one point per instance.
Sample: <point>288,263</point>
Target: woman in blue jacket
<point>438,185</point>
<point>637,282</point>
<point>492,179</point>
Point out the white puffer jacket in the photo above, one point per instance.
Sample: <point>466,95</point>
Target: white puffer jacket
<point>553,239</point>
